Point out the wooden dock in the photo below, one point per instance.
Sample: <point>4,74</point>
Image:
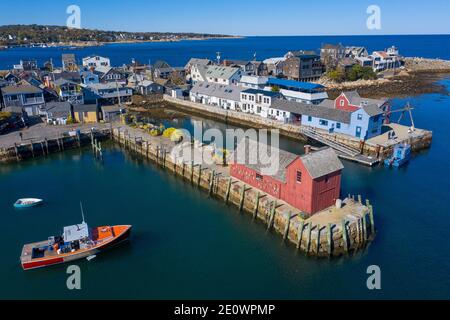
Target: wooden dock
<point>331,232</point>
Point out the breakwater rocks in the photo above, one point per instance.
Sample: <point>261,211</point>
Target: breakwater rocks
<point>332,232</point>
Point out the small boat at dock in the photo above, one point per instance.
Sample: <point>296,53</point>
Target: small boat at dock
<point>400,156</point>
<point>76,242</point>
<point>27,203</point>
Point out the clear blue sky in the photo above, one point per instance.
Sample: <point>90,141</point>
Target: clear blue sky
<point>239,17</point>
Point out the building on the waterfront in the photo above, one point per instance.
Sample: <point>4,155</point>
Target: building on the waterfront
<point>147,87</point>
<point>69,62</point>
<point>274,66</point>
<point>169,73</point>
<point>247,67</point>
<point>259,102</point>
<point>302,66</point>
<point>383,60</point>
<point>253,82</point>
<point>111,113</point>
<point>349,114</point>
<point>107,94</point>
<point>26,65</point>
<point>57,113</point>
<point>86,113</point>
<point>216,74</point>
<point>306,92</point>
<point>310,182</point>
<point>214,94</point>
<point>96,61</point>
<point>332,54</point>
<point>25,96</point>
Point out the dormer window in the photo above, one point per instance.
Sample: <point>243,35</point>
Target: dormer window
<point>342,102</point>
<point>360,116</point>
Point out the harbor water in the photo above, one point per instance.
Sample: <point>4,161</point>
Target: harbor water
<point>185,245</point>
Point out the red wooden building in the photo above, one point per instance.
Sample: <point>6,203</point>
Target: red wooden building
<point>310,182</point>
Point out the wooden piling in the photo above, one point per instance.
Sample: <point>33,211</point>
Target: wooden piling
<point>255,210</point>
<point>46,145</point>
<point>272,215</point>
<point>286,228</point>
<point>300,234</point>
<point>344,235</point>
<point>308,239</point>
<point>192,172</point>
<point>16,150</point>
<point>318,240</point>
<point>330,238</point>
<point>200,175</point>
<point>32,149</point>
<point>364,228</point>
<point>241,202</point>
<point>211,181</point>
<point>227,194</point>
<point>372,224</point>
<point>359,199</point>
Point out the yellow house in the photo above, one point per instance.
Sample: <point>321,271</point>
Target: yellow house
<point>86,113</point>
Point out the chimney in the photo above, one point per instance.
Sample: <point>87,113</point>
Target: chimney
<point>307,149</point>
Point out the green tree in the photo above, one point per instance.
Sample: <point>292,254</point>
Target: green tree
<point>358,72</point>
<point>337,75</point>
<point>275,89</point>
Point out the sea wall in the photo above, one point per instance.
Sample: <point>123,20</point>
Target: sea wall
<point>314,238</point>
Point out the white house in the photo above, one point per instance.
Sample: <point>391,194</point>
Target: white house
<point>96,61</point>
<point>258,101</point>
<point>215,74</point>
<point>219,95</point>
<point>253,82</point>
<point>384,61</point>
<point>275,65</point>
<point>306,92</point>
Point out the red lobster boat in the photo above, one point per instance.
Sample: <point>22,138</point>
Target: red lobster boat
<point>77,242</point>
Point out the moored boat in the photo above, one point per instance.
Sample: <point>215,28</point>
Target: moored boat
<point>27,203</point>
<point>400,156</point>
<point>77,242</point>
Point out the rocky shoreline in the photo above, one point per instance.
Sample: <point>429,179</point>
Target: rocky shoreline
<point>419,76</point>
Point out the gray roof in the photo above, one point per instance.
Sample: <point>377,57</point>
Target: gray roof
<point>197,61</point>
<point>54,106</point>
<point>321,163</point>
<point>113,108</point>
<point>218,90</point>
<point>356,100</point>
<point>373,110</point>
<point>318,163</point>
<point>220,72</point>
<point>247,153</point>
<point>317,111</point>
<point>20,89</point>
<point>85,108</point>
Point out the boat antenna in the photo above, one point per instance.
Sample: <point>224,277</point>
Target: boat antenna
<point>82,213</point>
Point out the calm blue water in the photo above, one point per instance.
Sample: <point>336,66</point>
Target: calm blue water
<point>178,53</point>
<point>188,246</point>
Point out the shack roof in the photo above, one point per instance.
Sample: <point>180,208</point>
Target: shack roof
<point>21,89</point>
<point>218,90</point>
<point>259,157</point>
<point>317,111</point>
<point>321,163</point>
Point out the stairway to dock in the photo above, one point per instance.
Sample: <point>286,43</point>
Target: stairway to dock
<point>343,151</point>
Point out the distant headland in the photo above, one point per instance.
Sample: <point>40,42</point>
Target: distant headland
<point>45,35</point>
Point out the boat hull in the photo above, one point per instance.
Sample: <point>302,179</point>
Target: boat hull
<point>69,257</point>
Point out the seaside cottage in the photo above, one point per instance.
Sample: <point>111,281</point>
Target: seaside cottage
<point>96,61</point>
<point>86,113</point>
<point>216,74</point>
<point>28,97</point>
<point>302,66</point>
<point>68,90</point>
<point>107,94</point>
<point>57,113</point>
<point>257,101</point>
<point>69,62</point>
<point>310,183</point>
<point>218,95</point>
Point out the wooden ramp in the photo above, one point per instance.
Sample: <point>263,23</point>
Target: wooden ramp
<point>343,151</point>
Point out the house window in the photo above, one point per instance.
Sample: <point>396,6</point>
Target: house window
<point>338,125</point>
<point>323,122</point>
<point>13,97</point>
<point>359,116</point>
<point>342,102</point>
<point>299,176</point>
<point>309,118</point>
<point>259,177</point>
